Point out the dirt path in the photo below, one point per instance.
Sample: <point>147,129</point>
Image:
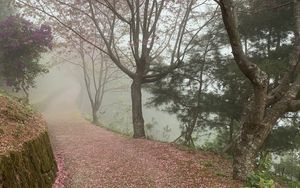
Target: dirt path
<point>95,157</point>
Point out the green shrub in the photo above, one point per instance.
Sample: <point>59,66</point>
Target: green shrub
<point>260,180</point>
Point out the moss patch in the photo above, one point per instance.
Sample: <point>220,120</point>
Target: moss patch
<point>26,157</point>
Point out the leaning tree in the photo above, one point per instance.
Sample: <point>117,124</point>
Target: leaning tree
<point>267,104</point>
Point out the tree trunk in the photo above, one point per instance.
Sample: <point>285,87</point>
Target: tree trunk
<point>137,112</point>
<point>244,154</point>
<point>243,162</point>
<point>95,117</point>
<point>266,108</point>
<point>26,99</point>
<point>188,140</point>
<point>247,146</point>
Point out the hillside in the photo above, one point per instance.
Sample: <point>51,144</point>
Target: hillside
<point>26,156</point>
<point>18,124</point>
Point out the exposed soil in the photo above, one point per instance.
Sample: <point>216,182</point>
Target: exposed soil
<point>90,156</point>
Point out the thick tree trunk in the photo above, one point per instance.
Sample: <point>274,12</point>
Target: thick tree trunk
<point>243,163</point>
<point>267,106</point>
<point>247,147</point>
<point>244,154</point>
<point>137,112</point>
<point>252,136</point>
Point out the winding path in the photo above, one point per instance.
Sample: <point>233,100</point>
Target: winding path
<point>94,157</point>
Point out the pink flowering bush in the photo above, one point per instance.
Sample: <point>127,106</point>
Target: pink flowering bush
<point>21,45</point>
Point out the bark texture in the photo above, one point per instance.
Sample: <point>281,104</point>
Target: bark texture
<point>137,111</point>
<point>95,116</point>
<point>265,106</point>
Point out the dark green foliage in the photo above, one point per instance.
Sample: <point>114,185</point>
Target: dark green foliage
<point>289,167</point>
<point>283,138</point>
<point>262,177</point>
<point>21,45</point>
<point>184,93</point>
<point>266,27</point>
<point>230,105</point>
<point>235,87</point>
<point>266,24</point>
<point>217,145</point>
<point>260,180</point>
<point>267,38</point>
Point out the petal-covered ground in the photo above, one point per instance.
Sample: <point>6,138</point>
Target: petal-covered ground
<point>90,156</point>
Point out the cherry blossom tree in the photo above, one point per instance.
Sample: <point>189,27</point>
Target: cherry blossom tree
<point>97,69</point>
<point>145,39</point>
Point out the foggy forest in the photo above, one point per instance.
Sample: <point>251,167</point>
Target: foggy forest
<point>149,93</point>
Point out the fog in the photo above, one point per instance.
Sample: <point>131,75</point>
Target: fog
<point>62,92</point>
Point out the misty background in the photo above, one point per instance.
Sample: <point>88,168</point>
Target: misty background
<point>115,112</point>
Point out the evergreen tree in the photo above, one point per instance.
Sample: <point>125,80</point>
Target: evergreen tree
<point>185,92</point>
